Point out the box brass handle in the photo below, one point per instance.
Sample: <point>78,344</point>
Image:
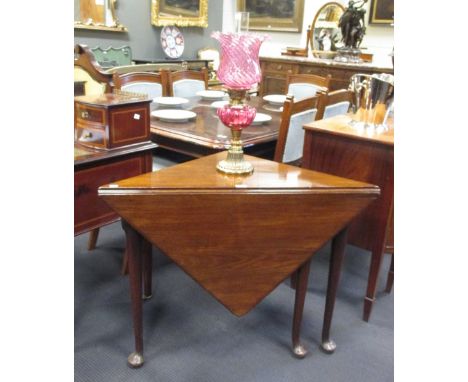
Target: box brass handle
<point>280,67</point>
<point>84,114</point>
<point>88,135</point>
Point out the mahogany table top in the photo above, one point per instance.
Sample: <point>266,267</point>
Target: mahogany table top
<point>207,129</point>
<point>339,126</point>
<point>238,236</point>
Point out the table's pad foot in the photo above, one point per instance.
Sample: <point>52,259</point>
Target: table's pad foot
<point>328,346</point>
<point>135,360</point>
<point>299,351</point>
<point>145,297</point>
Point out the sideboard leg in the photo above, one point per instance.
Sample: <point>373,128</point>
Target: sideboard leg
<point>376,262</point>
<point>336,260</point>
<point>92,240</point>
<point>389,286</point>
<point>133,251</point>
<point>302,277</point>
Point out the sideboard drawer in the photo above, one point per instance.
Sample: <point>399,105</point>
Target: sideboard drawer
<point>279,67</point>
<point>90,210</point>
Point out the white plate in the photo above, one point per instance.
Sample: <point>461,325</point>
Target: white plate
<point>173,115</point>
<point>261,118</point>
<point>171,101</point>
<point>211,94</point>
<point>275,99</point>
<point>218,104</point>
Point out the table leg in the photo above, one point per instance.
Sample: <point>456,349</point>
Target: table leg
<point>92,240</point>
<point>146,251</point>
<point>336,259</point>
<point>301,276</point>
<point>133,250</point>
<point>389,286</point>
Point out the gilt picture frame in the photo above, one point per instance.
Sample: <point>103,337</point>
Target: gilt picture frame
<point>381,12</point>
<point>181,13</point>
<point>273,15</point>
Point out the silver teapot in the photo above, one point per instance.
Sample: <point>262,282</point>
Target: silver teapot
<point>373,99</point>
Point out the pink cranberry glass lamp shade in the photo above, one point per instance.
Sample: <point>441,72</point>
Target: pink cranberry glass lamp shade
<point>236,117</point>
<point>239,67</point>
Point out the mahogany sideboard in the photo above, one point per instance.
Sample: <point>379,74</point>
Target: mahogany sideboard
<point>94,168</point>
<point>237,236</point>
<point>275,69</point>
<point>333,146</point>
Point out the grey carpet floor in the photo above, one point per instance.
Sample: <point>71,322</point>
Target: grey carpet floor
<point>188,336</point>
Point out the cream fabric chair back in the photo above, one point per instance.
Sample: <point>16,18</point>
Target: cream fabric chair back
<point>302,91</point>
<point>187,87</point>
<point>295,137</point>
<point>339,108</point>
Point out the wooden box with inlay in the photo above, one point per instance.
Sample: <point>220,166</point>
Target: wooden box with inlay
<point>108,121</point>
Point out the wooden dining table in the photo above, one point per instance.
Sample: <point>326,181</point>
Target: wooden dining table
<point>207,135</point>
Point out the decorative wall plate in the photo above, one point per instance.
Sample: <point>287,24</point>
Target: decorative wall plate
<point>172,41</point>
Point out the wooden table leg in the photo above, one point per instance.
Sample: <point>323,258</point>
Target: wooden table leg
<point>92,240</point>
<point>146,250</point>
<point>336,259</point>
<point>389,286</point>
<point>293,279</point>
<point>133,250</point>
<point>302,277</point>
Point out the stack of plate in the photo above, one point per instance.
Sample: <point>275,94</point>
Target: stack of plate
<point>171,101</point>
<point>173,115</point>
<point>211,94</point>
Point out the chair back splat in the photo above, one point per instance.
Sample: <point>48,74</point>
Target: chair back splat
<point>335,103</point>
<point>290,142</point>
<point>152,84</point>
<point>186,83</point>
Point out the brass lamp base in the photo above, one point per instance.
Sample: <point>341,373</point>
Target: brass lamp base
<point>235,162</point>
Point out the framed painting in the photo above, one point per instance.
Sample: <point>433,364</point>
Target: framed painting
<point>181,13</point>
<point>381,12</point>
<point>273,15</point>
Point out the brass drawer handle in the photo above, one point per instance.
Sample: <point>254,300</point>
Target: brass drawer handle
<point>84,114</point>
<point>279,67</point>
<point>88,135</point>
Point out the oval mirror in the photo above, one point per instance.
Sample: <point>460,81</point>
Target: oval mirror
<point>325,33</point>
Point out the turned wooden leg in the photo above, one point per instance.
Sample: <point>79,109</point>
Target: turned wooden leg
<point>133,250</point>
<point>302,277</point>
<point>389,286</point>
<point>92,240</point>
<point>147,268</point>
<point>336,260</point>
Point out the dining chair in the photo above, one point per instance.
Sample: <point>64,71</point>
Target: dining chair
<point>186,83</point>
<point>306,85</point>
<point>335,103</point>
<point>152,84</point>
<point>290,142</point>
